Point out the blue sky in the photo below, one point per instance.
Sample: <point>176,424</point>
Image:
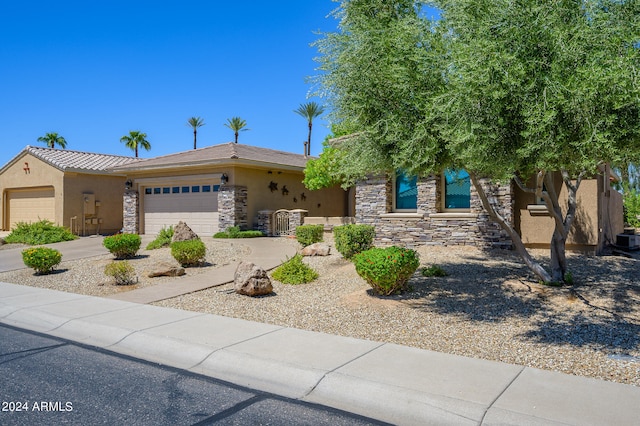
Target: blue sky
<point>92,71</point>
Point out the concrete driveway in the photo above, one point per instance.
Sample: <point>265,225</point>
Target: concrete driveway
<point>11,258</point>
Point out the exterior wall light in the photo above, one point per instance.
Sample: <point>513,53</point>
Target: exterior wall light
<point>224,179</point>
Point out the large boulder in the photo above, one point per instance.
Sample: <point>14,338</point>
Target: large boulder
<point>316,249</point>
<point>182,232</point>
<point>251,280</point>
<point>166,269</point>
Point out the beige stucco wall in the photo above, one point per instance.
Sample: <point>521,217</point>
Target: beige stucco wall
<point>40,174</point>
<point>107,192</point>
<point>537,229</point>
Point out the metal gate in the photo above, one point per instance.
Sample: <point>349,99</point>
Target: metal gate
<point>281,223</point>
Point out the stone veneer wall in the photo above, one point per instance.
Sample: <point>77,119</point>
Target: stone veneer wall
<point>130,211</point>
<point>264,222</point>
<point>232,207</point>
<point>374,204</point>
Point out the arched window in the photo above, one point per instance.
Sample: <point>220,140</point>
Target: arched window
<point>405,193</point>
<point>457,190</point>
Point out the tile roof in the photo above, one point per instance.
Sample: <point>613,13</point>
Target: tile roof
<point>220,154</point>
<point>67,160</point>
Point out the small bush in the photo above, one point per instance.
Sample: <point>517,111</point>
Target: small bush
<point>42,259</point>
<point>631,204</point>
<point>294,271</point>
<point>123,246</point>
<point>434,271</point>
<point>162,240</point>
<point>353,239</point>
<point>189,253</point>
<point>123,272</point>
<point>235,232</point>
<point>387,270</point>
<point>309,234</point>
<point>41,232</point>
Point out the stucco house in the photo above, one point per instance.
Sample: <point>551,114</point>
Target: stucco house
<point>447,210</point>
<point>71,188</point>
<point>219,186</point>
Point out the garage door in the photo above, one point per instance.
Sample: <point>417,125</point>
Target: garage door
<point>195,204</point>
<point>31,205</point>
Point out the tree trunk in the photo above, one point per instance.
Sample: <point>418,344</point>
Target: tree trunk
<point>531,263</point>
<point>309,140</point>
<point>194,138</point>
<point>558,257</point>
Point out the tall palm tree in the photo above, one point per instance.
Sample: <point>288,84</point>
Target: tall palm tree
<point>309,111</point>
<point>236,124</point>
<point>136,139</point>
<point>53,139</point>
<point>195,122</point>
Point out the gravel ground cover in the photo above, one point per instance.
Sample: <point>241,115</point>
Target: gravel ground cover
<point>489,306</point>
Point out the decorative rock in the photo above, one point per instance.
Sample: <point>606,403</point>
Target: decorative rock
<point>252,280</point>
<point>182,232</point>
<point>166,269</point>
<point>316,249</point>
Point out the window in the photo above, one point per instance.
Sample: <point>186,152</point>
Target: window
<point>147,191</point>
<point>216,188</point>
<point>185,189</point>
<point>206,188</point>
<point>156,190</point>
<point>405,194</point>
<point>166,190</point>
<point>457,190</point>
<point>175,190</point>
<point>195,188</point>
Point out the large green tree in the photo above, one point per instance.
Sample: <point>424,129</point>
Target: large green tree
<point>53,139</point>
<point>309,111</point>
<point>195,123</point>
<point>506,89</point>
<point>236,124</point>
<point>136,139</point>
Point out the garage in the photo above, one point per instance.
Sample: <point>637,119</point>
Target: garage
<point>196,204</point>
<point>30,205</point>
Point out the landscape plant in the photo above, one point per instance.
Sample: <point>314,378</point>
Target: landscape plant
<point>631,201</point>
<point>309,234</point>
<point>41,232</point>
<point>434,271</point>
<point>189,253</point>
<point>387,270</point>
<point>121,271</point>
<point>352,239</point>
<point>294,271</point>
<point>122,246</point>
<point>235,232</point>
<point>41,259</point>
<point>163,239</point>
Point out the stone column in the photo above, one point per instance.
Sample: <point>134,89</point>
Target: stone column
<point>264,222</point>
<point>131,211</point>
<point>296,218</point>
<point>232,207</point>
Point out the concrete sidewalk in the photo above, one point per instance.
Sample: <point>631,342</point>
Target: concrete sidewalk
<point>397,384</point>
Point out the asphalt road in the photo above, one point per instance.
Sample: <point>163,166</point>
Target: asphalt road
<point>46,380</point>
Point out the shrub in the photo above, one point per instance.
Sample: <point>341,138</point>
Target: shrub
<point>235,232</point>
<point>42,259</point>
<point>387,270</point>
<point>353,239</point>
<point>294,271</point>
<point>309,234</point>
<point>123,272</point>
<point>41,232</point>
<point>162,240</point>
<point>434,271</point>
<point>189,253</point>
<point>631,202</point>
<point>122,246</point>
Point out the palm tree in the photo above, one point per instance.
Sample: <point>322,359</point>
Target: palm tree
<point>309,111</point>
<point>236,124</point>
<point>195,122</point>
<point>136,139</point>
<point>53,139</point>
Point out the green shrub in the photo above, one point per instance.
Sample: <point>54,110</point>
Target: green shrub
<point>163,239</point>
<point>235,232</point>
<point>122,246</point>
<point>294,271</point>
<point>353,239</point>
<point>434,271</point>
<point>387,270</point>
<point>189,253</point>
<point>42,259</point>
<point>123,272</point>
<point>309,234</point>
<point>41,232</point>
<point>631,203</point>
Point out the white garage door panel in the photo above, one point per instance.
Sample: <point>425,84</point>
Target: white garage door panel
<point>198,210</point>
<point>31,206</point>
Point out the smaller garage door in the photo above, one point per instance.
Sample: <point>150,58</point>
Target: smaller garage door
<point>196,204</point>
<point>31,205</point>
